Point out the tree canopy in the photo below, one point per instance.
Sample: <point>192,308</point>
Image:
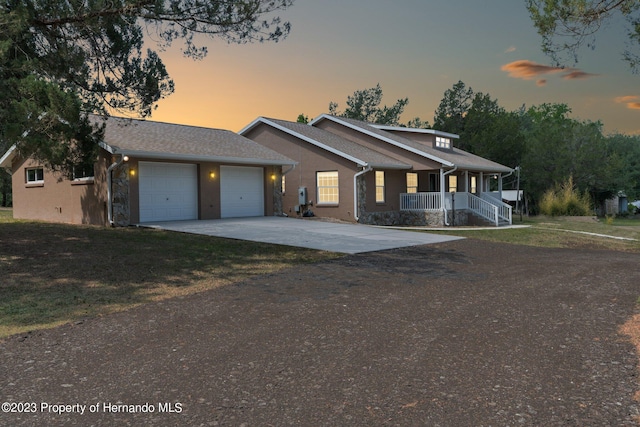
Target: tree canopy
<point>546,143</point>
<point>449,117</point>
<point>365,105</point>
<point>61,60</point>
<point>567,25</point>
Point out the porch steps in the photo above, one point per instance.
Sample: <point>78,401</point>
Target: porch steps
<point>478,220</point>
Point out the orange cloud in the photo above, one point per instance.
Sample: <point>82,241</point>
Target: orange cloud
<point>626,99</point>
<point>577,74</point>
<point>529,70</point>
<point>632,101</point>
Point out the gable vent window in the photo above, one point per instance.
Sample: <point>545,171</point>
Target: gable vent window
<point>442,142</point>
<point>35,175</point>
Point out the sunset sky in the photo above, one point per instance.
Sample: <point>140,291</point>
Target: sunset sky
<point>413,48</point>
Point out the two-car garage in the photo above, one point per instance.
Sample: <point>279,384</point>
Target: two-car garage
<point>170,191</point>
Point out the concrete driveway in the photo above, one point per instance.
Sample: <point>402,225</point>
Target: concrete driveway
<point>305,233</point>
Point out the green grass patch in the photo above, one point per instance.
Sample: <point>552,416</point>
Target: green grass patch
<point>562,232</point>
<point>55,273</point>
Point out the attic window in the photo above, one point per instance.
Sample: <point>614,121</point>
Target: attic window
<point>35,175</point>
<point>442,142</point>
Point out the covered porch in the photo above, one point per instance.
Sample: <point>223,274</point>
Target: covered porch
<point>461,197</point>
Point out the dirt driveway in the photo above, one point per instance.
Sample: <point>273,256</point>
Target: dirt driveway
<point>456,334</point>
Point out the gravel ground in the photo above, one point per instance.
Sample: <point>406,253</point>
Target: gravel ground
<point>465,333</point>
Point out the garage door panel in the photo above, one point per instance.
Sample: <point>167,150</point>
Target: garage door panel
<point>241,191</point>
<point>168,191</point>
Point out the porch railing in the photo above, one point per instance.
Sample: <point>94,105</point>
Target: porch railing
<point>486,206</point>
<point>505,211</point>
<point>420,202</point>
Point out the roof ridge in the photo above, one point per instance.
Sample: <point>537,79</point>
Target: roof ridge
<point>162,123</point>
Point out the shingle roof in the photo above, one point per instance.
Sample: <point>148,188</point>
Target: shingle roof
<point>454,157</point>
<point>360,154</point>
<point>180,142</point>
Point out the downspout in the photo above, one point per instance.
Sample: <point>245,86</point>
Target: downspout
<point>289,170</point>
<point>442,175</point>
<point>355,190</point>
<point>502,177</point>
<point>109,190</point>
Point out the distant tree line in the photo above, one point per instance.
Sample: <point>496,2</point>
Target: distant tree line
<point>544,141</point>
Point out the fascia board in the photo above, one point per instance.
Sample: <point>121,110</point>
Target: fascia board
<point>106,147</point>
<point>250,126</point>
<point>387,166</point>
<point>199,158</point>
<point>7,158</point>
<point>497,169</point>
<point>319,119</point>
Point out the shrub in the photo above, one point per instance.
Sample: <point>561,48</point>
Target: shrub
<point>565,199</point>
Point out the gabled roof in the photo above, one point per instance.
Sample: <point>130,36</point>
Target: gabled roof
<point>165,141</point>
<point>447,158</point>
<point>330,142</point>
<point>168,141</point>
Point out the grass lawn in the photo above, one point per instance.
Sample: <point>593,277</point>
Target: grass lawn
<point>564,232</point>
<point>51,274</point>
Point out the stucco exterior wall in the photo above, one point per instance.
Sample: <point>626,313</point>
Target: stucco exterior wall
<point>395,183</point>
<point>58,199</point>
<point>310,160</point>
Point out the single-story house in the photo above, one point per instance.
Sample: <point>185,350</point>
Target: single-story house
<point>150,171</point>
<point>376,174</point>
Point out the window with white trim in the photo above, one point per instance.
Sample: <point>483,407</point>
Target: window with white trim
<point>412,182</point>
<point>442,142</point>
<point>379,186</point>
<point>328,188</point>
<point>284,184</point>
<point>34,175</point>
<point>474,185</point>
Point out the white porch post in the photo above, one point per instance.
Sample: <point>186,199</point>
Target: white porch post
<point>466,181</point>
<point>500,185</point>
<point>481,189</point>
<point>442,200</point>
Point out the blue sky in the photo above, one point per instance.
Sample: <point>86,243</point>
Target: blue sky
<point>413,48</point>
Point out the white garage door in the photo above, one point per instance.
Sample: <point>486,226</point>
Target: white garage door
<point>241,191</point>
<point>168,191</point>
